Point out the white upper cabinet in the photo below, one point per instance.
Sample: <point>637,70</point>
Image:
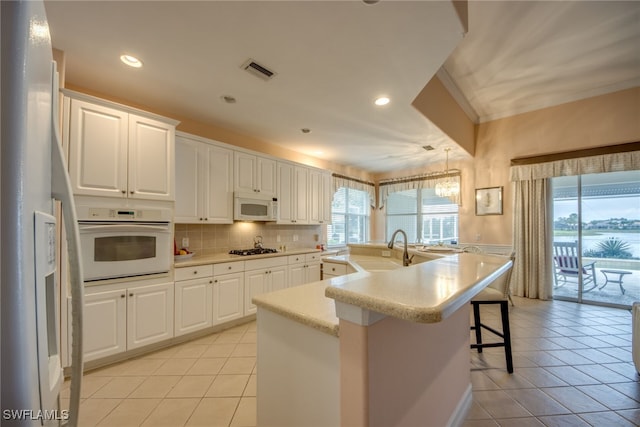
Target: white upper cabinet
<point>204,189</point>
<point>116,153</point>
<point>254,174</point>
<point>320,197</point>
<point>293,197</point>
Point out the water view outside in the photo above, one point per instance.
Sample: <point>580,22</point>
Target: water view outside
<point>607,206</point>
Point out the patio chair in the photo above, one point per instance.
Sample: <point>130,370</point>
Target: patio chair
<point>566,266</point>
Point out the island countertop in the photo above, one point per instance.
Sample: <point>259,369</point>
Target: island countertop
<point>426,293</point>
<point>423,293</point>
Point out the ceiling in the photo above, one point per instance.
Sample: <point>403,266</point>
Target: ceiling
<point>333,58</point>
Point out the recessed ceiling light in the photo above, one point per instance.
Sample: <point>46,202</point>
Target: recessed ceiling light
<point>131,61</point>
<point>383,100</point>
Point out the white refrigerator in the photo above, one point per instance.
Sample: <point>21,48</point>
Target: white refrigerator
<point>32,176</point>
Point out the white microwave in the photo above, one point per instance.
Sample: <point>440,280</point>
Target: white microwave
<point>255,207</point>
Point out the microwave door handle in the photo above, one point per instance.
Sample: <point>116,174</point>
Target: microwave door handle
<point>127,228</point>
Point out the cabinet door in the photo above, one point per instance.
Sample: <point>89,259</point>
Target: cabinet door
<point>193,303</point>
<point>151,161</point>
<point>278,278</point>
<point>301,183</point>
<point>97,150</point>
<point>244,172</point>
<point>315,199</point>
<point>266,174</point>
<point>189,193</point>
<point>254,284</point>
<point>313,272</point>
<point>228,302</point>
<point>326,197</point>
<point>218,187</point>
<point>149,314</point>
<point>105,317</point>
<point>285,193</point>
<point>296,275</point>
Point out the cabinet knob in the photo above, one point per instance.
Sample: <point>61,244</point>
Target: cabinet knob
<point>122,296</point>
<point>131,192</point>
<point>201,219</point>
<point>229,267</point>
<point>333,269</point>
<point>195,271</point>
<point>212,281</point>
<point>131,294</point>
<point>124,191</point>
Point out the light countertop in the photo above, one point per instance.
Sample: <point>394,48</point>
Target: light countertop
<point>223,257</point>
<point>425,293</point>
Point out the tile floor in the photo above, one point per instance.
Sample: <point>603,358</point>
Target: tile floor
<point>573,367</point>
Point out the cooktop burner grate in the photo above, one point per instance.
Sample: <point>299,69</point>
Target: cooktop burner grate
<point>253,251</point>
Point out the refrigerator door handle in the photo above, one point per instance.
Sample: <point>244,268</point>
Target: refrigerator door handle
<point>61,190</point>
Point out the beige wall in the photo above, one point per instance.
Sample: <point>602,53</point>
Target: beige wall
<point>594,122</point>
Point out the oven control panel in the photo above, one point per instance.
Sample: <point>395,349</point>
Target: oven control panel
<point>98,213</point>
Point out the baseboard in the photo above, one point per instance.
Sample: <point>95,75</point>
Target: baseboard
<point>459,415</point>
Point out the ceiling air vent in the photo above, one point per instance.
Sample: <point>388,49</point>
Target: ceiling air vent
<point>258,70</point>
<point>427,147</point>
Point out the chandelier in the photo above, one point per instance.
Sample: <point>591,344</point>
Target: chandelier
<point>448,187</point>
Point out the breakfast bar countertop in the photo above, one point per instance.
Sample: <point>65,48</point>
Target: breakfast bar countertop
<point>425,293</point>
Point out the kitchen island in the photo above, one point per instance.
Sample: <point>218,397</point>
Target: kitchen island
<point>389,348</point>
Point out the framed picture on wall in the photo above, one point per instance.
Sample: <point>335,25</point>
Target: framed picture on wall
<point>489,201</point>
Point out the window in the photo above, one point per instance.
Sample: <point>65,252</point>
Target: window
<point>349,217</point>
<point>424,216</point>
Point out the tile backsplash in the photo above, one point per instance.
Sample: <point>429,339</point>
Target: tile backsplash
<point>207,239</point>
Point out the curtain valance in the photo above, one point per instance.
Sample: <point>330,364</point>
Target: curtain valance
<point>389,186</point>
<point>614,162</point>
<point>340,181</point>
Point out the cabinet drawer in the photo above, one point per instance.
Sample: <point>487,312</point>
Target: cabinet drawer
<point>312,257</point>
<point>256,264</point>
<point>296,259</point>
<point>195,272</point>
<point>228,267</point>
<point>334,269</point>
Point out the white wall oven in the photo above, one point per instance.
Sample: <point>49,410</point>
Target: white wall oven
<point>124,242</point>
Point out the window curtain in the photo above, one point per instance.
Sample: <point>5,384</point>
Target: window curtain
<point>422,181</point>
<point>532,228</point>
<point>340,181</point>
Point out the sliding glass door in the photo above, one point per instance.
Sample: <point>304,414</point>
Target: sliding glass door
<point>596,238</point>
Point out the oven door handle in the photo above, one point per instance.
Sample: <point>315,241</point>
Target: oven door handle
<point>124,228</point>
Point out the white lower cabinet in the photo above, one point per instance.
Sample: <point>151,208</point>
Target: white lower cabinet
<point>303,268</point>
<point>105,324</point>
<point>149,314</point>
<point>194,302</point>
<point>263,275</point>
<point>228,301</point>
<point>116,320</point>
<point>333,269</point>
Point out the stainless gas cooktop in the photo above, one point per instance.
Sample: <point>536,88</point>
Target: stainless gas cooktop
<point>253,251</point>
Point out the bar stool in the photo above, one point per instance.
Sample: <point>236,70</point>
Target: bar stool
<point>497,292</point>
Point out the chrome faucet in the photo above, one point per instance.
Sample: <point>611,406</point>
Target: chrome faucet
<point>405,255</point>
